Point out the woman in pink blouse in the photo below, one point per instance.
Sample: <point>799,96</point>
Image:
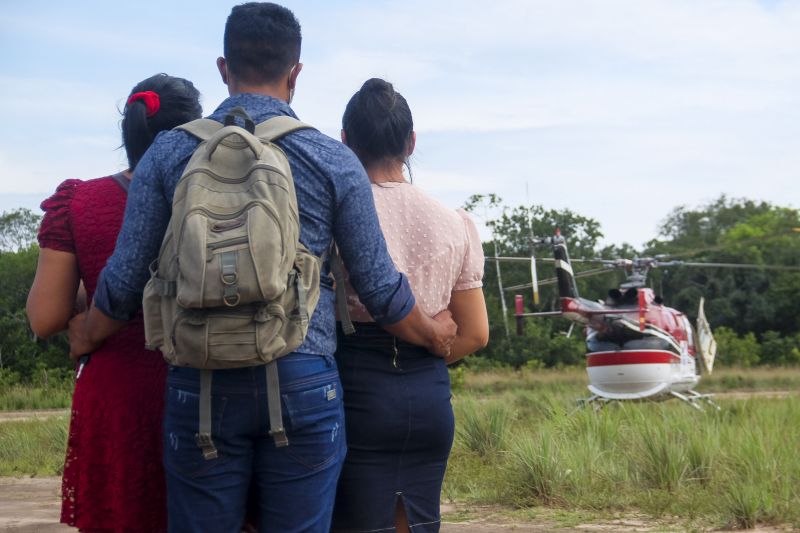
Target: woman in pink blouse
<point>399,421</point>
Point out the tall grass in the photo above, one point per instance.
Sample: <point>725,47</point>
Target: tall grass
<point>50,389</point>
<point>734,468</point>
<point>483,426</point>
<point>23,397</point>
<point>34,447</point>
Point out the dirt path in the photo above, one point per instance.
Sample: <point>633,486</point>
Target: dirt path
<point>29,505</point>
<point>744,395</point>
<point>16,416</point>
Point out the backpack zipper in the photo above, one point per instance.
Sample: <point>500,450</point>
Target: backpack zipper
<point>231,216</point>
<point>223,179</point>
<point>226,243</point>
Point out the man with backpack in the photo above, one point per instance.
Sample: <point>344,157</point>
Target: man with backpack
<point>254,401</point>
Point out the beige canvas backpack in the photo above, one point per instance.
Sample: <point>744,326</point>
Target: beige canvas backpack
<point>233,287</point>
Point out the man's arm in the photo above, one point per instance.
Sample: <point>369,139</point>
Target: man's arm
<point>437,334</point>
<point>88,330</point>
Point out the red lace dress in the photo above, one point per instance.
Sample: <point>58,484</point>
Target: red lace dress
<point>113,476</point>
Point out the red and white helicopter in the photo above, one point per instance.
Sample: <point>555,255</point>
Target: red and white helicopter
<point>637,348</point>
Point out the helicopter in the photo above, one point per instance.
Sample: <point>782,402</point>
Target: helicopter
<point>636,347</point>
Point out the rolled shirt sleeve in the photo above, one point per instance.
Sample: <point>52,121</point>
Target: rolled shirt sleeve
<point>471,275</point>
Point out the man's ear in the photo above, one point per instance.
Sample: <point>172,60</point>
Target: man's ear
<point>344,138</point>
<point>412,142</point>
<point>293,75</point>
<point>222,66</point>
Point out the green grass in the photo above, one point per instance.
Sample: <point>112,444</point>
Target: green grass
<point>33,447</point>
<point>734,468</point>
<point>23,397</point>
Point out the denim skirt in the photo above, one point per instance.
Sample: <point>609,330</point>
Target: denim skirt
<point>399,427</point>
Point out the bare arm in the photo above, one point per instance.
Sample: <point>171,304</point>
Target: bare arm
<point>469,312</point>
<point>51,301</point>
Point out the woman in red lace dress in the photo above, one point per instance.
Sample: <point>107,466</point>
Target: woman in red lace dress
<point>113,477</point>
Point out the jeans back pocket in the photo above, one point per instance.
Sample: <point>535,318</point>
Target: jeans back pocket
<point>314,419</point>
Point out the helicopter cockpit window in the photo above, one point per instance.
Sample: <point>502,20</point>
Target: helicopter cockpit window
<point>597,343</point>
<point>617,298</point>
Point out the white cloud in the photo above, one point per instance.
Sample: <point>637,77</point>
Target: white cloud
<point>591,105</point>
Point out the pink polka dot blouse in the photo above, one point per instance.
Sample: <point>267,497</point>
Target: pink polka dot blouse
<point>438,248</point>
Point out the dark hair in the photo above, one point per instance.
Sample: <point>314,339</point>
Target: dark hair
<point>377,123</point>
<point>179,102</point>
<point>262,41</point>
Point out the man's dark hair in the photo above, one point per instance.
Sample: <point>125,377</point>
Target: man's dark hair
<point>262,42</point>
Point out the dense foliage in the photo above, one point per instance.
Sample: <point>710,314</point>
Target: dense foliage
<point>755,312</point>
<point>23,357</point>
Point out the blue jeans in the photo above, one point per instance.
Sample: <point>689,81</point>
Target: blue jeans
<point>291,488</point>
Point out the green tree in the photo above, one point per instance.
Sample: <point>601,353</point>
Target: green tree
<point>18,229</point>
<point>734,231</point>
<point>20,351</point>
<point>733,350</point>
<point>776,349</point>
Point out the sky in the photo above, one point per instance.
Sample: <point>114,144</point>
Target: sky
<point>620,110</point>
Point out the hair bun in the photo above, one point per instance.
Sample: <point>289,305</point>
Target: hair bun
<point>379,96</point>
<point>377,84</point>
<point>377,122</point>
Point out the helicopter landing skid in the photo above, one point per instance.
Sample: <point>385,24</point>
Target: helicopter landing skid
<point>693,398</point>
<point>584,402</point>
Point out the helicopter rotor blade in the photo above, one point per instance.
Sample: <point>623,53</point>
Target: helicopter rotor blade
<point>547,260</point>
<point>752,266</point>
<point>552,281</point>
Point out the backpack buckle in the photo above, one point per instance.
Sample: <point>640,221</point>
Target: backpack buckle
<point>279,436</point>
<point>262,315</point>
<point>231,295</point>
<point>206,445</point>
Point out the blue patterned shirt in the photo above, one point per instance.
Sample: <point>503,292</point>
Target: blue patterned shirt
<point>334,198</point>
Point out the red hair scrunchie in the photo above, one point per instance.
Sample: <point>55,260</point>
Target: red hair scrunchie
<point>151,101</point>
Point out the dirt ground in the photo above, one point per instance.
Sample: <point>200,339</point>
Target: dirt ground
<point>29,505</point>
<point>15,416</point>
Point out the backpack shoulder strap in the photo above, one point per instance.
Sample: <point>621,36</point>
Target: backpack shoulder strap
<point>122,181</point>
<point>202,128</point>
<point>337,270</point>
<point>276,127</point>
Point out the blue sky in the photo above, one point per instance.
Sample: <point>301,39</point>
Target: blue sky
<point>618,109</point>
